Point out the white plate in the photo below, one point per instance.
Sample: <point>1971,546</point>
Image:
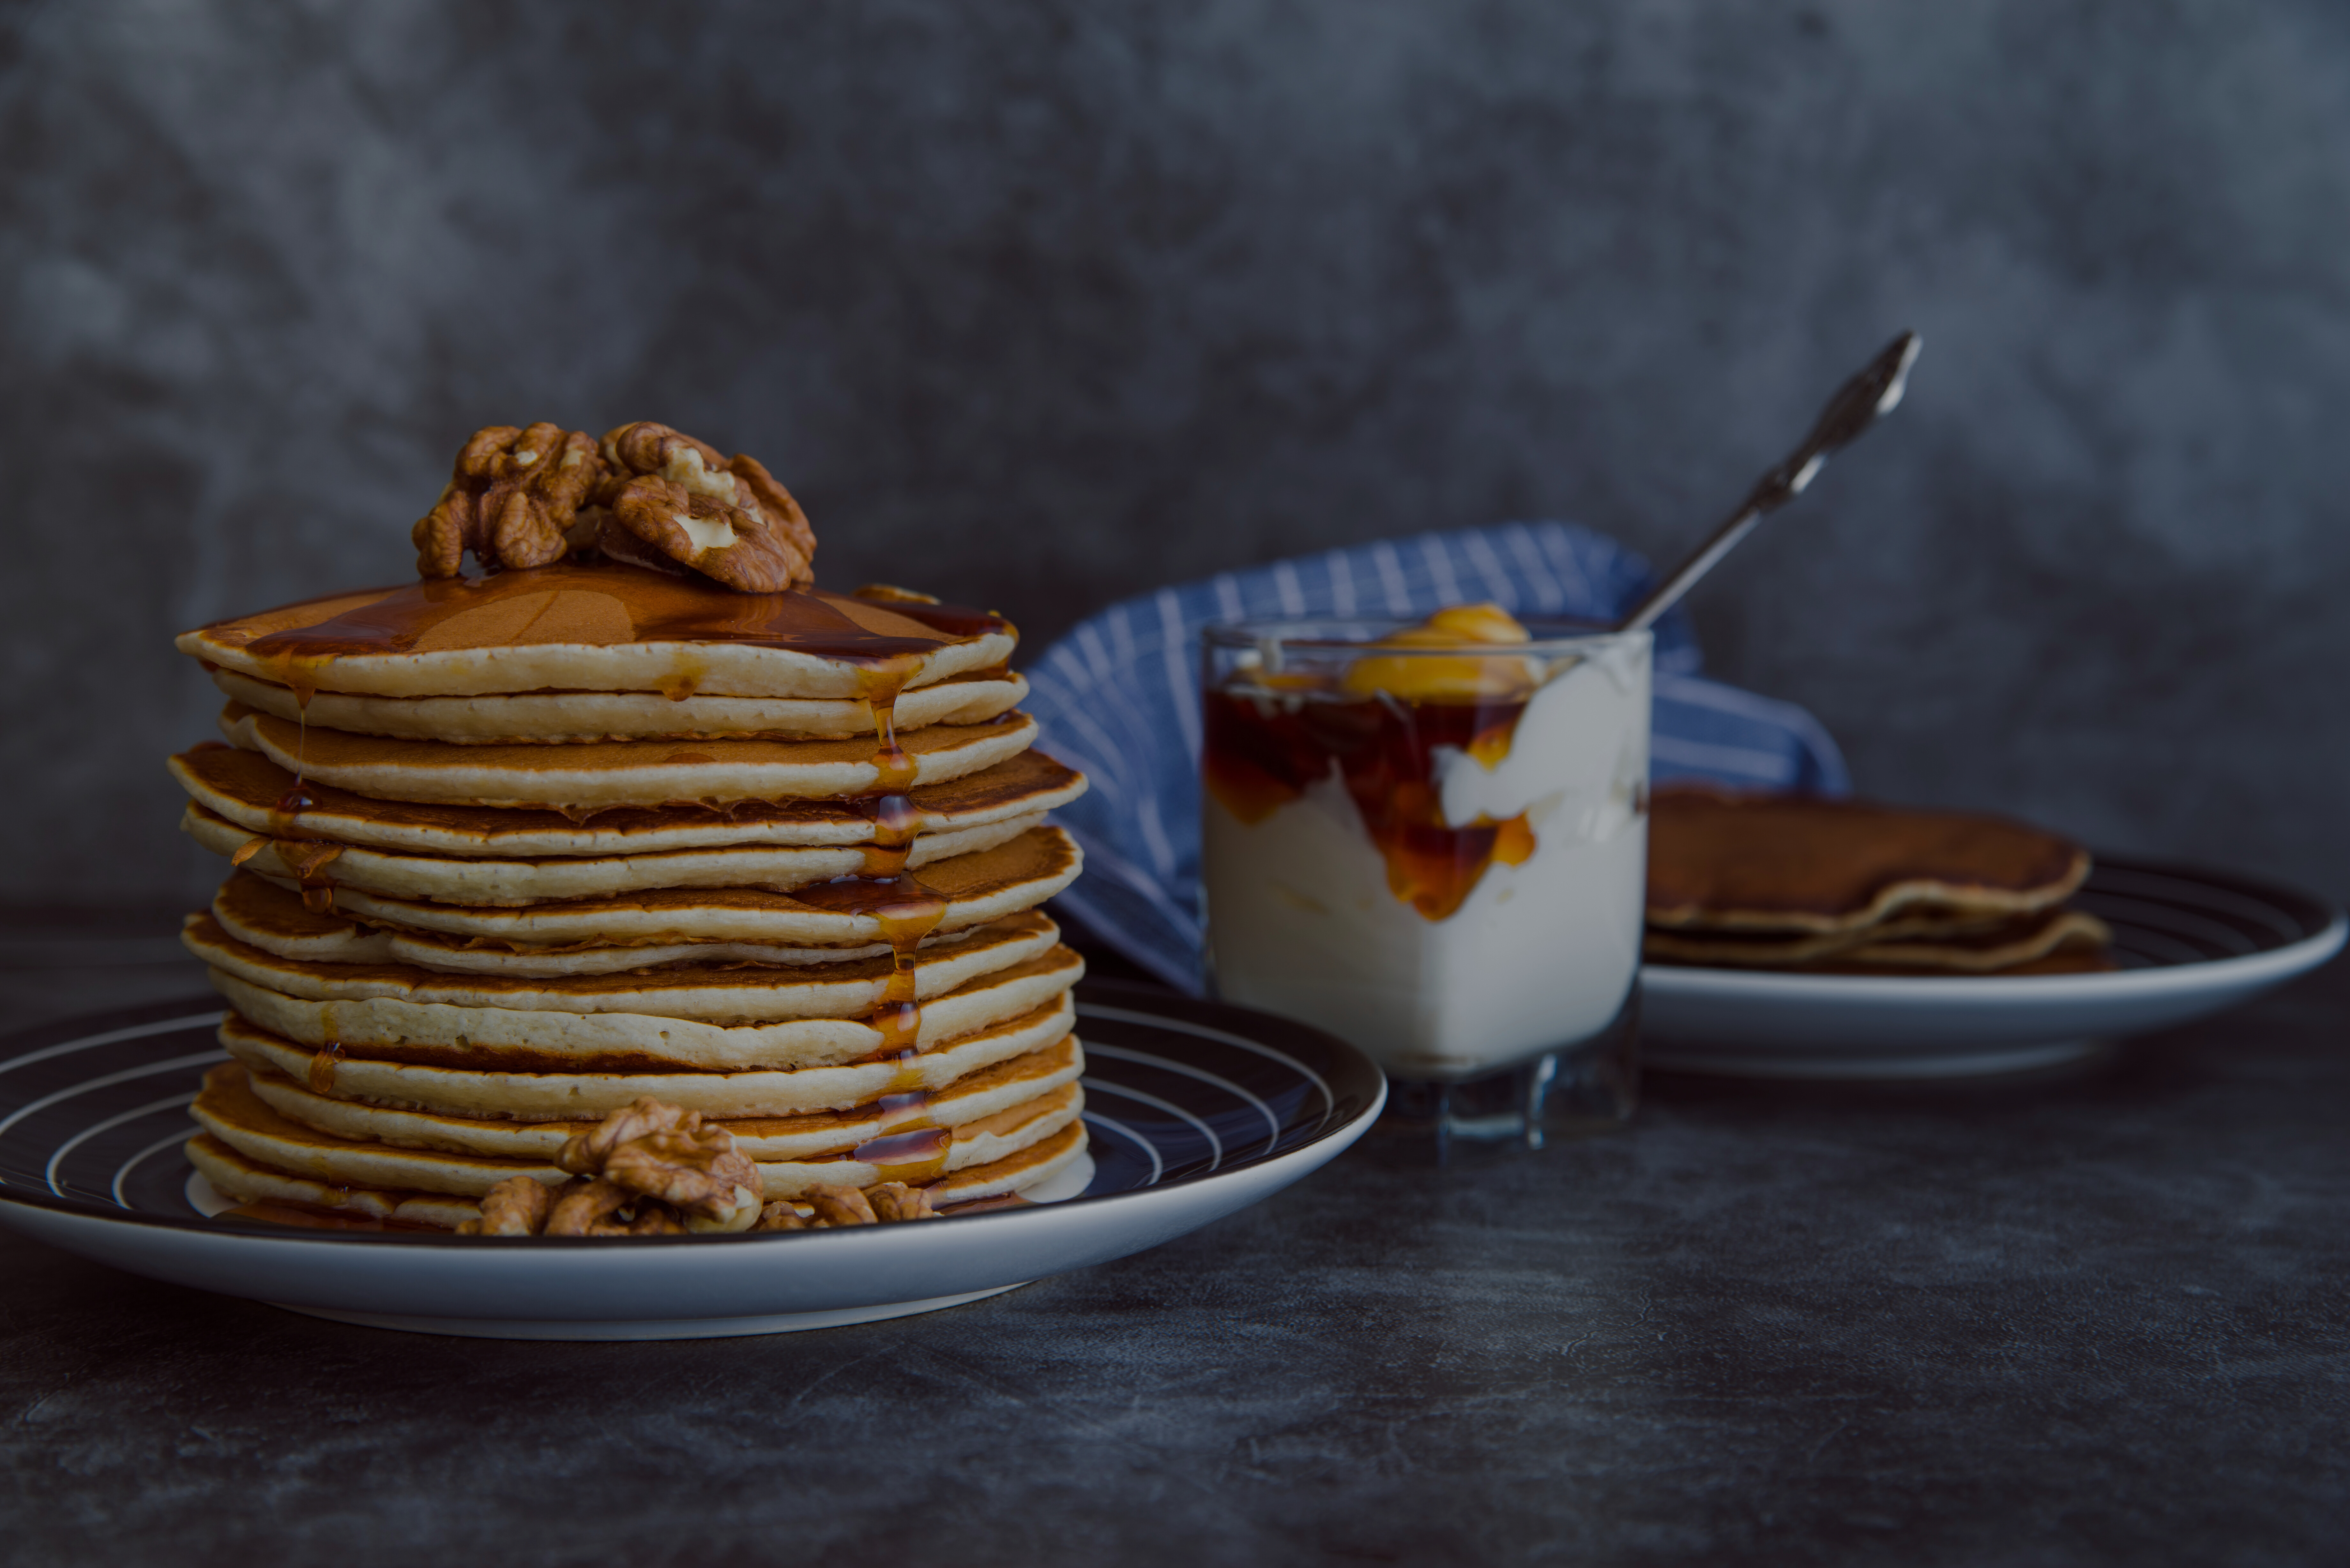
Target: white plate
<point>2191,942</point>
<point>1195,1109</point>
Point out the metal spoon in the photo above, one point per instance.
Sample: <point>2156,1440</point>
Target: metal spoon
<point>1858,405</point>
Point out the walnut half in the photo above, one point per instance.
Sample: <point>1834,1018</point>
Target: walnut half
<point>663,1152</point>
<point>518,1206</point>
<point>674,497</point>
<point>647,1170</point>
<point>514,500</point>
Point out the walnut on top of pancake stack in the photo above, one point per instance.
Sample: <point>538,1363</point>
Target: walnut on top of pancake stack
<point>647,494</point>
<point>1794,882</point>
<point>633,828</point>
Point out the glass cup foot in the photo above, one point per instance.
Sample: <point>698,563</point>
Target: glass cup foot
<point>1575,1091</point>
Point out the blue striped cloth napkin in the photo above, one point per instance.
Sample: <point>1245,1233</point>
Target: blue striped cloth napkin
<point>1118,698</point>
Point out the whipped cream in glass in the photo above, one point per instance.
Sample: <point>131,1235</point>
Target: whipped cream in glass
<point>1431,840</point>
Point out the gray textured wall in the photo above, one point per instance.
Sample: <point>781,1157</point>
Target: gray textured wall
<point>1044,303</point>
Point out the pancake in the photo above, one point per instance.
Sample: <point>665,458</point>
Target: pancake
<point>246,1180</point>
<point>515,1040</point>
<point>731,994</point>
<point>242,1181</point>
<point>271,918</point>
<point>2085,959</point>
<point>1903,946</point>
<point>1032,1167</point>
<point>1722,862</point>
<point>2027,944</point>
<point>971,1099</point>
<point>1766,949</point>
<point>573,1096</point>
<point>512,883</point>
<point>245,787</point>
<point>595,774</point>
<point>230,1112</point>
<point>554,717</point>
<point>601,628</point>
<point>977,888</point>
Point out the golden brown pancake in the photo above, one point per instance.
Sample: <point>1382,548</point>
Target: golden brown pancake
<point>601,628</point>
<point>513,1040</point>
<point>556,1095</point>
<point>561,716</point>
<point>274,919</point>
<point>1790,864</point>
<point>978,888</point>
<point>246,787</point>
<point>730,993</point>
<point>599,773</point>
<point>474,879</point>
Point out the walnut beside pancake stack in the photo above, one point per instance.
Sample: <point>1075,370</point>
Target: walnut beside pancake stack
<point>1791,882</point>
<point>636,839</point>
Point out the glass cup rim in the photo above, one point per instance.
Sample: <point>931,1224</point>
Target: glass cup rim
<point>1321,634</point>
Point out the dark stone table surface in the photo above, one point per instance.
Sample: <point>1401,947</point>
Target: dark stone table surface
<point>2095,1318</point>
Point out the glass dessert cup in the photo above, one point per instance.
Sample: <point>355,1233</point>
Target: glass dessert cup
<point>1432,841</point>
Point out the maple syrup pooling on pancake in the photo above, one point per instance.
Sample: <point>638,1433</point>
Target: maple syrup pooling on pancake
<point>602,605</point>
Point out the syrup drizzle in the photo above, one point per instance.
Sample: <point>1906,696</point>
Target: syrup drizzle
<point>309,860</point>
<point>321,1076</point>
<point>1261,753</point>
<point>911,1106</point>
<point>915,1157</point>
<point>309,867</point>
<point>602,604</point>
<point>907,1148</point>
<point>895,820</point>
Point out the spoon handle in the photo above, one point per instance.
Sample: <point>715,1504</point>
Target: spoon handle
<point>1858,404</point>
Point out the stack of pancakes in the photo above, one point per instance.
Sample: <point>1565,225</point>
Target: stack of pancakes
<point>1789,882</point>
<point>511,852</point>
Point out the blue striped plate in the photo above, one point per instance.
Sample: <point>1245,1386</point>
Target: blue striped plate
<point>2188,940</point>
<point>1194,1109</point>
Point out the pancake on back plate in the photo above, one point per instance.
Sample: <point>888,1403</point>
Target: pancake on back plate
<point>1786,882</point>
<point>2057,940</point>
